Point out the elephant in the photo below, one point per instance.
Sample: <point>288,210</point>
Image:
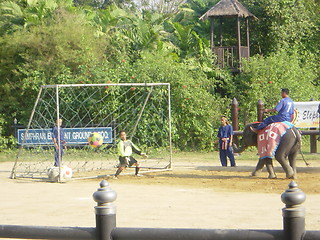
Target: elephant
<point>289,147</point>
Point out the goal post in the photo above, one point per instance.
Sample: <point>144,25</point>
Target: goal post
<point>143,110</point>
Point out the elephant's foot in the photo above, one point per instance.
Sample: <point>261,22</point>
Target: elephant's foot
<point>291,175</point>
<point>294,176</point>
<point>255,173</point>
<point>272,176</point>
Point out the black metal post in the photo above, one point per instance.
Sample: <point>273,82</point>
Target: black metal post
<point>192,234</point>
<point>45,232</point>
<point>293,214</point>
<point>105,211</point>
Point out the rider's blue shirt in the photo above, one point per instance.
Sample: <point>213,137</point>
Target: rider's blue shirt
<point>285,109</point>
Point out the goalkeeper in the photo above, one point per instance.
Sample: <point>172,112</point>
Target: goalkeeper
<point>125,149</point>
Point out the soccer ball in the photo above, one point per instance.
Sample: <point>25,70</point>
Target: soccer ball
<point>95,139</point>
<point>53,173</point>
<point>66,172</point>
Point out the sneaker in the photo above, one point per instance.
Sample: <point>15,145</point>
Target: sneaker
<point>114,177</point>
<point>138,175</point>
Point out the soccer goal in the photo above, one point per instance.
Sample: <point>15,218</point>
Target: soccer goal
<point>140,109</point>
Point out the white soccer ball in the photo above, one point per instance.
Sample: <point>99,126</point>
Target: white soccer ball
<point>53,173</point>
<point>66,172</point>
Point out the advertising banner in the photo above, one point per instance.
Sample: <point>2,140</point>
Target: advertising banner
<point>71,135</point>
<point>306,114</point>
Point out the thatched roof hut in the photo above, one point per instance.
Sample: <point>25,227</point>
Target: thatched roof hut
<point>227,8</point>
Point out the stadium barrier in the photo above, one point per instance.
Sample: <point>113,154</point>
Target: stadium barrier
<point>293,225</point>
<point>313,132</point>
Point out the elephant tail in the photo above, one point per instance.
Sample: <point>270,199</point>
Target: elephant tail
<point>297,135</point>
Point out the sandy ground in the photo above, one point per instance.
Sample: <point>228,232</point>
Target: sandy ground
<point>193,195</point>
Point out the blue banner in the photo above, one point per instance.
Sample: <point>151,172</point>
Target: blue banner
<point>71,135</point>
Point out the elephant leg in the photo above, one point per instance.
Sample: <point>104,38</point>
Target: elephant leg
<point>259,167</point>
<point>270,168</point>
<point>292,161</point>
<point>281,158</point>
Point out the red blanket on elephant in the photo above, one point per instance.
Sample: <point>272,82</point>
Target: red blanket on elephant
<point>269,138</point>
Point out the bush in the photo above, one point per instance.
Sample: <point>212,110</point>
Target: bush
<point>196,110</point>
<point>6,142</point>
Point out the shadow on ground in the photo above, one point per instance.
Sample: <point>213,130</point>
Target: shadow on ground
<point>251,168</point>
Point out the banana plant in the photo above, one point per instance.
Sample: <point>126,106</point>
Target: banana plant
<point>16,15</point>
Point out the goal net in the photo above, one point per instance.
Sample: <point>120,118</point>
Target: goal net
<point>142,110</point>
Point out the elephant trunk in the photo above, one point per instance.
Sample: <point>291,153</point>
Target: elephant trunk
<point>237,149</point>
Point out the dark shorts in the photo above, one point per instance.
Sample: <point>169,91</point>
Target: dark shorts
<point>132,161</point>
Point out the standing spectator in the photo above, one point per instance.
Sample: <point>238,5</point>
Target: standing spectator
<point>58,147</point>
<point>225,135</point>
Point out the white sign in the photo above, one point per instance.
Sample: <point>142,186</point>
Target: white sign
<point>306,114</point>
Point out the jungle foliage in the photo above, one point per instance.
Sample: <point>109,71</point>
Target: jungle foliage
<point>91,41</point>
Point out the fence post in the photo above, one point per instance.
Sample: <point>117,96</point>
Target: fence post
<point>234,114</point>
<point>235,118</point>
<point>293,214</point>
<point>260,108</point>
<point>105,211</point>
<point>313,139</point>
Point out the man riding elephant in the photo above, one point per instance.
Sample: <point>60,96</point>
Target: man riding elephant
<point>285,109</point>
<point>286,142</point>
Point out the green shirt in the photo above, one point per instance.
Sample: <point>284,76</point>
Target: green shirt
<point>125,148</point>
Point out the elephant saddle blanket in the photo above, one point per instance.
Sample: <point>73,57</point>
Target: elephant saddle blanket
<point>269,138</point>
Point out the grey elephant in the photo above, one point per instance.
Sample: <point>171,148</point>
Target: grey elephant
<point>289,147</point>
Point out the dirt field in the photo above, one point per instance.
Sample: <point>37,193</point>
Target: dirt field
<point>195,194</point>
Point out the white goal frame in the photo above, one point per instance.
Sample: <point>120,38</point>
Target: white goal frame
<point>57,87</point>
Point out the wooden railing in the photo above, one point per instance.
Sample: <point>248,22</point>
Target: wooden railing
<point>229,56</point>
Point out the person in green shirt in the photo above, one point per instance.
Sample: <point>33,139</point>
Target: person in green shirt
<point>125,150</point>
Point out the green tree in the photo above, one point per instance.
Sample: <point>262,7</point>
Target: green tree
<point>283,24</point>
<point>55,54</point>
<point>192,97</point>
<point>159,6</point>
<point>16,15</point>
<point>144,31</point>
<point>187,42</point>
<point>263,77</point>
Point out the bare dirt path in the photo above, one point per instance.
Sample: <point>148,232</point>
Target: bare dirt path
<point>193,195</point>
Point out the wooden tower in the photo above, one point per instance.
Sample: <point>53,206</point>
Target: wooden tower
<point>229,56</point>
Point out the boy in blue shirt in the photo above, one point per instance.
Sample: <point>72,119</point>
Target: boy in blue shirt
<point>58,147</point>
<point>285,109</point>
<point>225,135</point>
